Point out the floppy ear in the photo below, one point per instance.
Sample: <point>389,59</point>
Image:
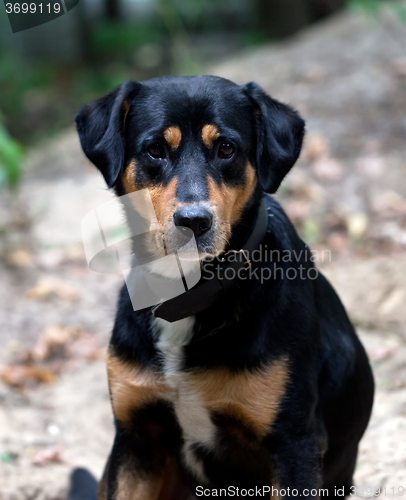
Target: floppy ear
<point>280,132</point>
<point>101,128</point>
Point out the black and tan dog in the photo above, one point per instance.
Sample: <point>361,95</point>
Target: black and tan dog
<point>238,383</point>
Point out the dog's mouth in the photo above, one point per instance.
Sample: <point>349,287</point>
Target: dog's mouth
<point>208,247</point>
<point>191,252</point>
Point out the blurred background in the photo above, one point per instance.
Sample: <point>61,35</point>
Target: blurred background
<point>49,70</point>
<point>342,64</point>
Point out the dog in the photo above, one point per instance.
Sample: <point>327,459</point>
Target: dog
<point>254,384</point>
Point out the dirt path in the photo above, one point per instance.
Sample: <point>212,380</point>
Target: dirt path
<point>347,195</point>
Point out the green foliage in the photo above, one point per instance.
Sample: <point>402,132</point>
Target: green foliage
<point>110,38</point>
<point>11,155</point>
<point>374,7</point>
<point>371,7</point>
<point>400,10</point>
<point>17,78</point>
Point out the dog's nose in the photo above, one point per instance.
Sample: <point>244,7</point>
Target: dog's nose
<point>197,218</point>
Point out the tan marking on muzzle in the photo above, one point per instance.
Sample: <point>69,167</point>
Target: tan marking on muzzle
<point>231,201</point>
<point>173,136</point>
<point>165,202</point>
<point>210,133</point>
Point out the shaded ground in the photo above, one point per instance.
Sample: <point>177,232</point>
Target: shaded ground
<point>347,195</point>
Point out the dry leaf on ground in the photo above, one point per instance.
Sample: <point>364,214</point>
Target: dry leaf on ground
<point>49,286</point>
<point>20,376</point>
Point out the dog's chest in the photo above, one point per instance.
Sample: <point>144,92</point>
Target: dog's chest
<point>203,399</point>
<point>190,407</point>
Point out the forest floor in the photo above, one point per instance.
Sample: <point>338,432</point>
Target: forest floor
<point>346,196</point>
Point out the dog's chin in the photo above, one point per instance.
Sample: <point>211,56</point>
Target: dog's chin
<point>190,263</point>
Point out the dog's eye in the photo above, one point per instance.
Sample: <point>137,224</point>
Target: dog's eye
<point>226,150</point>
<point>156,150</point>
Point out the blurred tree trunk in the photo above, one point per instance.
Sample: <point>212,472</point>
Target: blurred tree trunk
<point>280,18</point>
<point>84,32</point>
<point>112,9</point>
<point>324,8</point>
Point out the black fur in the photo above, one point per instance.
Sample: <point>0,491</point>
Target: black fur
<point>328,401</point>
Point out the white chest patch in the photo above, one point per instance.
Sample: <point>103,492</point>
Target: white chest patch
<point>192,415</point>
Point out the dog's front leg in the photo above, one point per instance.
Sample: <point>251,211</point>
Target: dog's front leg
<point>135,469</point>
<point>141,464</point>
<point>298,468</point>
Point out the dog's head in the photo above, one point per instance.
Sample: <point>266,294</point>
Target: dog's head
<point>205,148</point>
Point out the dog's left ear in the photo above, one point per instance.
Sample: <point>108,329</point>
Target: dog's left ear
<point>101,128</point>
<point>280,131</point>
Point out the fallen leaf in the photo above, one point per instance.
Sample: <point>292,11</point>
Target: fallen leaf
<point>389,203</point>
<point>382,353</point>
<point>52,341</point>
<point>50,286</point>
<point>297,210</point>
<point>20,258</point>
<point>328,168</point>
<point>372,166</point>
<point>76,252</point>
<point>85,346</point>
<point>313,192</point>
<point>48,456</point>
<point>315,146</point>
<point>338,241</point>
<point>19,376</point>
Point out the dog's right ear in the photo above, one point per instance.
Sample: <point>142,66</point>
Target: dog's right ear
<point>279,130</point>
<point>101,128</point>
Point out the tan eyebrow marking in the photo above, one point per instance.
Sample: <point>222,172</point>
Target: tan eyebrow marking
<point>209,134</point>
<point>173,136</point>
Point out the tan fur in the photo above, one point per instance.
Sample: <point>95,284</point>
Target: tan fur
<point>167,484</point>
<point>275,494</point>
<point>164,201</point>
<point>132,487</point>
<point>163,197</point>
<point>210,133</point>
<point>253,398</point>
<point>132,387</point>
<point>129,178</point>
<point>228,202</point>
<point>231,201</point>
<point>127,105</point>
<point>173,136</point>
